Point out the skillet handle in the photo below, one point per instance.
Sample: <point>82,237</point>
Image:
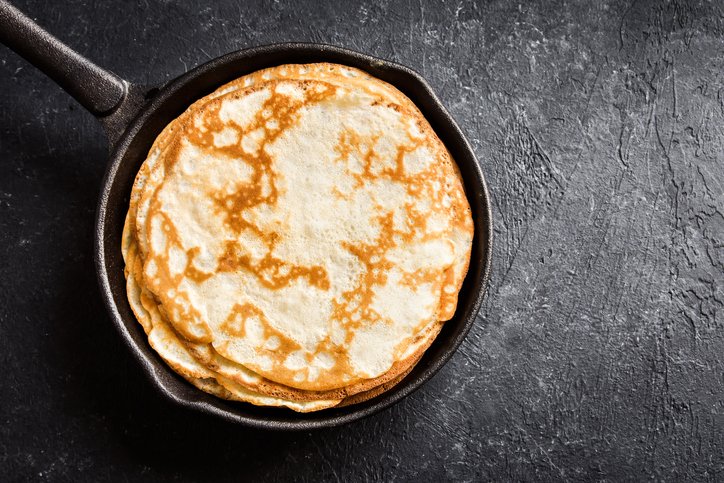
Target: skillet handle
<point>111,99</point>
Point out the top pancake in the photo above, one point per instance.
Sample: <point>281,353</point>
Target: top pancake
<point>305,222</point>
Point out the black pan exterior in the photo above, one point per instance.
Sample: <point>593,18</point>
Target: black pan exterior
<point>168,103</point>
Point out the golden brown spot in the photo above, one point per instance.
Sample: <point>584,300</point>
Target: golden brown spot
<point>191,271</point>
<point>418,277</point>
<point>354,306</point>
<point>272,272</point>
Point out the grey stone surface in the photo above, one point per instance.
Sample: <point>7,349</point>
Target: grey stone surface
<point>599,352</point>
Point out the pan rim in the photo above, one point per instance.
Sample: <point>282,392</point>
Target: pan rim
<point>155,368</point>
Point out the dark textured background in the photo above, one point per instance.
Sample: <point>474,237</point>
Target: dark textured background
<point>599,353</point>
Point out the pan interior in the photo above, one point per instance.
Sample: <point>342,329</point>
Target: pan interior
<point>168,104</point>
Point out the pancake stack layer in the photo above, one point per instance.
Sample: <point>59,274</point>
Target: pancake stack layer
<point>296,238</point>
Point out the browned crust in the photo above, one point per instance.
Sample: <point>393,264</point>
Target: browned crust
<point>274,389</point>
<point>382,388</point>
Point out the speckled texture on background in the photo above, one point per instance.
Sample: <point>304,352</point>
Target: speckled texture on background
<point>599,352</point>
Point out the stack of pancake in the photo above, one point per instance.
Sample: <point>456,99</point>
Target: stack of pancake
<point>296,238</point>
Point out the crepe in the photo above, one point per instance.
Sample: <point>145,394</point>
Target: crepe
<point>297,238</point>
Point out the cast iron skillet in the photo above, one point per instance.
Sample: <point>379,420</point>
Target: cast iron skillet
<point>134,115</point>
